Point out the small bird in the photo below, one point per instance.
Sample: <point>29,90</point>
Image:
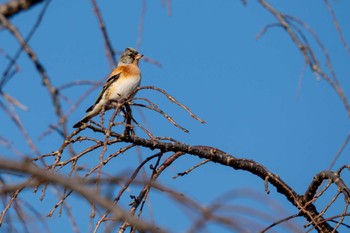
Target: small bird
<point>121,82</point>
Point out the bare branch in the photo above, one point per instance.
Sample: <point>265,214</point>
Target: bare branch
<point>336,25</point>
<point>13,7</point>
<point>307,52</point>
<point>108,45</point>
<point>77,187</point>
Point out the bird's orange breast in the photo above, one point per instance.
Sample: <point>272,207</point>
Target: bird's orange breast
<point>127,71</point>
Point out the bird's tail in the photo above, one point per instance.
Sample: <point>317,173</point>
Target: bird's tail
<point>81,122</point>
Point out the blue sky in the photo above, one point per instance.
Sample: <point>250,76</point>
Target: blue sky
<point>245,89</point>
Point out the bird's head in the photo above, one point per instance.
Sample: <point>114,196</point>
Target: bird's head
<point>129,56</point>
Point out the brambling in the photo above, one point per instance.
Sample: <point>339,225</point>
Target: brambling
<point>121,82</point>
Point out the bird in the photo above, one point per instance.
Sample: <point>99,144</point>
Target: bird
<point>122,81</point>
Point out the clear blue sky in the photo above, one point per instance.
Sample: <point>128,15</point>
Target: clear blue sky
<point>245,90</point>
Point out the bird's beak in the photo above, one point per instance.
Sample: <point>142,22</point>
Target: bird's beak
<point>138,56</point>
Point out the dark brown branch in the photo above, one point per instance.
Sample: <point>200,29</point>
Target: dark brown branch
<point>324,175</point>
<point>13,7</point>
<point>191,169</point>
<point>307,210</point>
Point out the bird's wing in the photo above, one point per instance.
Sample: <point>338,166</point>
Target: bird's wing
<point>113,77</point>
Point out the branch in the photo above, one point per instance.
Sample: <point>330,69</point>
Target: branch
<point>13,7</point>
<point>108,45</point>
<point>79,188</point>
<point>53,91</point>
<point>309,56</point>
<point>336,25</point>
<point>308,210</point>
<point>324,175</point>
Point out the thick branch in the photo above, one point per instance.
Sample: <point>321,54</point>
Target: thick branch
<point>324,175</point>
<point>16,6</point>
<point>308,210</point>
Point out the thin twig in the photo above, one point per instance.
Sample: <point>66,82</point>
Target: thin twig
<point>141,23</point>
<point>6,74</point>
<point>13,115</point>
<point>336,25</point>
<point>108,45</point>
<point>341,149</point>
<point>172,99</point>
<point>191,169</point>
<point>279,222</point>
